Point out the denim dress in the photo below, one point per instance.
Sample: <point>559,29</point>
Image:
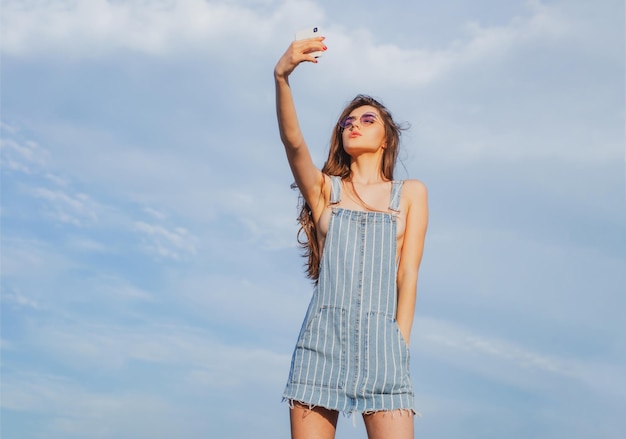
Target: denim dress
<point>350,355</point>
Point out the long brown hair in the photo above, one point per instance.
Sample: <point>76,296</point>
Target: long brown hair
<point>338,163</point>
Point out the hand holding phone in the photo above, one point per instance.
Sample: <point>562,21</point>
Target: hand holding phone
<point>310,33</point>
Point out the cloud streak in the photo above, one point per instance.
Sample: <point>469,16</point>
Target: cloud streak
<point>167,243</point>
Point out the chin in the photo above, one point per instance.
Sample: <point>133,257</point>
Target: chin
<point>360,149</point>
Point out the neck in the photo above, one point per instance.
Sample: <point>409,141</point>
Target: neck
<point>366,169</point>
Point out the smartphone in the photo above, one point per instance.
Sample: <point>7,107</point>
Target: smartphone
<point>310,33</point>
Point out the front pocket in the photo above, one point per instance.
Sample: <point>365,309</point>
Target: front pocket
<point>386,369</point>
<point>319,358</point>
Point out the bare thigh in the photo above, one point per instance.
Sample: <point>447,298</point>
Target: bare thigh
<point>397,424</point>
<point>314,423</point>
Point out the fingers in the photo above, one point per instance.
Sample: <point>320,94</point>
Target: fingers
<point>310,45</point>
<point>299,51</point>
<point>310,50</point>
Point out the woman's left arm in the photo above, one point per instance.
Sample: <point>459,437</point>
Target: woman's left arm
<point>411,253</point>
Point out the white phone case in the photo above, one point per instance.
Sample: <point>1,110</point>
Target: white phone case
<point>310,33</point>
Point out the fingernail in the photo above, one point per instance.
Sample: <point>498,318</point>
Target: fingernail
<point>325,48</point>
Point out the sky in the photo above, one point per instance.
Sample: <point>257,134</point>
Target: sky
<point>152,286</point>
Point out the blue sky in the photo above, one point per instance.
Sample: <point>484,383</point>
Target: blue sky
<point>151,282</point>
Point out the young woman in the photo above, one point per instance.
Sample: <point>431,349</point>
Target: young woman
<point>364,240</point>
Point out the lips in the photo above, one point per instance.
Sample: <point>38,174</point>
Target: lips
<point>354,134</point>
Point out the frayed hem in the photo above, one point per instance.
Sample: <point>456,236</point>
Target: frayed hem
<point>351,414</point>
<point>292,403</point>
<point>384,412</point>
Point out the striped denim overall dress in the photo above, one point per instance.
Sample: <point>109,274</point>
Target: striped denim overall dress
<point>350,355</point>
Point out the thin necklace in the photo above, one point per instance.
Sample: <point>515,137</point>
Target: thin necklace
<point>363,203</point>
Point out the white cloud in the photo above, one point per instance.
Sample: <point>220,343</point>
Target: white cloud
<point>361,50</point>
<point>152,26</point>
<point>132,173</point>
<point>19,299</point>
<point>167,243</point>
<point>61,203</point>
<point>546,22</point>
<point>25,157</point>
<point>265,208</point>
<point>157,214</point>
<point>162,28</point>
<point>461,345</point>
<point>77,209</point>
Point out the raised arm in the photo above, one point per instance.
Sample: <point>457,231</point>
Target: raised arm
<point>308,177</point>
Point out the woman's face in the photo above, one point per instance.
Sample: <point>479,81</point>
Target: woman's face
<point>363,130</point>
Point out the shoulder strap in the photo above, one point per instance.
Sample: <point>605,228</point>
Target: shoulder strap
<point>335,189</point>
<point>396,189</point>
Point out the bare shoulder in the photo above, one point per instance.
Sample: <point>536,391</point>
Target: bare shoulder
<point>415,202</point>
<point>414,192</point>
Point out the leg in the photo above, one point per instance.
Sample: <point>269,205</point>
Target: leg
<point>315,423</point>
<point>396,424</point>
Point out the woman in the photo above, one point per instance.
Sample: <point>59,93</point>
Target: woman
<point>365,235</point>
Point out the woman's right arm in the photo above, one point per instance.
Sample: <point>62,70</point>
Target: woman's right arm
<point>308,177</point>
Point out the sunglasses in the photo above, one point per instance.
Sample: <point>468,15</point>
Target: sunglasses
<point>365,120</point>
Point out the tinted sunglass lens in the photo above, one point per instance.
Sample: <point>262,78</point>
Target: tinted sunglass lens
<point>368,119</point>
<point>346,122</point>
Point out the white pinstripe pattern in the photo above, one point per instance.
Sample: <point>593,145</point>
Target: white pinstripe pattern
<point>350,354</point>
